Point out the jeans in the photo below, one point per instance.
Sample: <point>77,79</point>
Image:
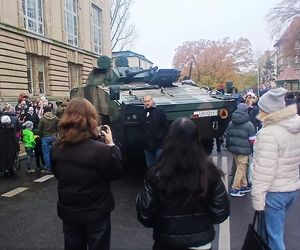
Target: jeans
<point>29,158</point>
<point>277,204</point>
<point>151,156</point>
<point>46,145</point>
<point>95,235</point>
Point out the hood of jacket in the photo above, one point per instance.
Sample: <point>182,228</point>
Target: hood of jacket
<point>240,117</point>
<point>286,117</point>
<point>50,116</point>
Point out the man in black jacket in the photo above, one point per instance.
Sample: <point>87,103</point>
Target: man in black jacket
<point>154,126</point>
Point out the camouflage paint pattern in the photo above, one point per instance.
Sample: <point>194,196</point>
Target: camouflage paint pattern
<point>211,113</point>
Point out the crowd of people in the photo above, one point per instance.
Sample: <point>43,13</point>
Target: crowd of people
<point>183,186</point>
<point>32,123</point>
<point>268,128</point>
<point>183,195</point>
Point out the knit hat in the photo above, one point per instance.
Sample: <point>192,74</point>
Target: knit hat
<point>5,119</point>
<point>28,124</point>
<point>273,100</point>
<point>243,106</point>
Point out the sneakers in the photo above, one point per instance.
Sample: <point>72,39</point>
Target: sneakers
<point>29,171</point>
<point>45,171</point>
<point>244,190</point>
<point>236,192</point>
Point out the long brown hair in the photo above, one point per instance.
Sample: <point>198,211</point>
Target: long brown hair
<point>79,122</point>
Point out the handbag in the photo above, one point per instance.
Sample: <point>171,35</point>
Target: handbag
<point>254,240</point>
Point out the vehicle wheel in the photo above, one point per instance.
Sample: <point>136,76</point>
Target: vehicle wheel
<point>208,145</point>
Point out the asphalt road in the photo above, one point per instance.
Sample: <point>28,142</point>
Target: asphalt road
<point>28,220</point>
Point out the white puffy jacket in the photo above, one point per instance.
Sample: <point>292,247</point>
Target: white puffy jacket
<point>276,155</point>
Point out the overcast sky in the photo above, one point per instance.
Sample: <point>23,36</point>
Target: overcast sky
<point>163,25</point>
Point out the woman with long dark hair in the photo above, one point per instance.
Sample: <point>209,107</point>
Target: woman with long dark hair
<point>84,167</point>
<point>183,194</point>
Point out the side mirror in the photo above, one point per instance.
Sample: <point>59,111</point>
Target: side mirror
<point>114,92</point>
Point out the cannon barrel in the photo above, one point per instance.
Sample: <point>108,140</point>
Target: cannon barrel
<point>130,74</point>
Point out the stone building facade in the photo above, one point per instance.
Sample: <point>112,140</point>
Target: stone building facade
<point>48,47</point>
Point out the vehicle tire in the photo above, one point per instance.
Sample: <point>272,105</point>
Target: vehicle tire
<point>208,145</point>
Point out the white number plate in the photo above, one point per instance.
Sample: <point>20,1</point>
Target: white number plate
<point>206,113</point>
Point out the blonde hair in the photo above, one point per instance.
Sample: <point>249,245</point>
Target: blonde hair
<point>261,115</point>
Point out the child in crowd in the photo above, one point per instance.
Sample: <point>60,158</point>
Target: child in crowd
<point>29,143</point>
<point>38,152</point>
<point>240,137</point>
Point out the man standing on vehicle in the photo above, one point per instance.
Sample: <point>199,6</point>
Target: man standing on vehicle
<point>153,127</point>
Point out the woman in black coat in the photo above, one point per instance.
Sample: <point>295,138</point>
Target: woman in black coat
<point>84,168</point>
<point>8,145</point>
<point>184,195</point>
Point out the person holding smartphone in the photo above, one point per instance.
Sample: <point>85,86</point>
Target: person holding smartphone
<point>84,167</point>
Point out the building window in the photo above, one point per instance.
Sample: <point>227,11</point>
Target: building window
<point>29,74</point>
<point>297,59</point>
<point>33,15</point>
<point>41,76</point>
<point>71,21</point>
<point>96,28</point>
<point>36,75</point>
<point>74,75</point>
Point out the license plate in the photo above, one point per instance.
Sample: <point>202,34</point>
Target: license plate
<point>205,113</point>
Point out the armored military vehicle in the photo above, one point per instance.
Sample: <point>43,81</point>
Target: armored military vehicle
<point>117,93</point>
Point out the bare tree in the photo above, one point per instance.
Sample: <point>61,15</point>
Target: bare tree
<point>281,16</point>
<point>122,32</point>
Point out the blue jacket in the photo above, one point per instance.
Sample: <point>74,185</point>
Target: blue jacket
<point>238,132</point>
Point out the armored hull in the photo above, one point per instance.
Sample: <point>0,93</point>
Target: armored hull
<point>211,113</point>
<point>117,93</point>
